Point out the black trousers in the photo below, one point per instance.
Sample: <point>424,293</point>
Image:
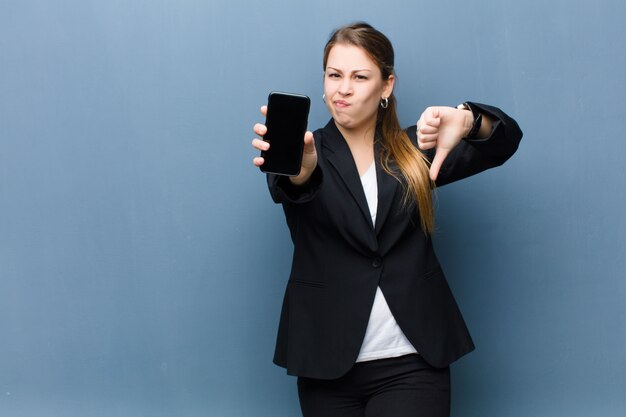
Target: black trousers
<point>397,387</point>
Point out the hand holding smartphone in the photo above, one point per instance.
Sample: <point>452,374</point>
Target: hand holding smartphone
<point>286,123</point>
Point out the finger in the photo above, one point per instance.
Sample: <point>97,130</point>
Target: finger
<point>428,142</point>
<point>421,122</point>
<point>309,143</point>
<point>435,166</point>
<point>426,138</point>
<point>428,114</point>
<point>264,110</point>
<point>260,129</point>
<point>432,112</point>
<point>258,161</point>
<point>431,122</point>
<point>429,138</point>
<point>261,145</point>
<point>426,146</point>
<point>428,129</point>
<point>308,138</point>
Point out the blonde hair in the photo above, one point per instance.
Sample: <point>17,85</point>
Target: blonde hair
<point>397,147</point>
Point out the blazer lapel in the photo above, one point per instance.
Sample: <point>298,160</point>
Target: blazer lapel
<point>387,186</point>
<point>341,159</point>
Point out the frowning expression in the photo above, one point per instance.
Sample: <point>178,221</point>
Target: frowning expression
<point>354,87</point>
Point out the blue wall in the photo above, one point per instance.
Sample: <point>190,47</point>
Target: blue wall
<point>142,263</point>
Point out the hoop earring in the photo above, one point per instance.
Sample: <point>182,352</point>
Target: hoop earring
<point>324,98</point>
<point>384,103</point>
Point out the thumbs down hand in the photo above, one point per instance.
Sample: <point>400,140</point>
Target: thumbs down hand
<point>442,128</point>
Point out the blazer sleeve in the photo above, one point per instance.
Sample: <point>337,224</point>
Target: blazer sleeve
<point>472,156</point>
<point>283,191</point>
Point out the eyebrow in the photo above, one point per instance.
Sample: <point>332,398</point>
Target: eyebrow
<point>357,70</point>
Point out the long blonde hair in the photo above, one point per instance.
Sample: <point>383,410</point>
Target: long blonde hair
<point>397,147</point>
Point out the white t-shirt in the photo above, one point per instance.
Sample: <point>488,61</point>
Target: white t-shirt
<point>383,337</point>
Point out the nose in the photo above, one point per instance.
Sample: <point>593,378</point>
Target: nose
<point>345,89</point>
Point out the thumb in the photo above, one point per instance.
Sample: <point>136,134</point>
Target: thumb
<point>309,143</point>
<point>440,155</point>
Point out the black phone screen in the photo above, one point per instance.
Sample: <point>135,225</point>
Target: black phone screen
<point>286,123</point>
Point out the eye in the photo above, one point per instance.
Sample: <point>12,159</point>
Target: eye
<point>360,77</point>
<point>333,75</point>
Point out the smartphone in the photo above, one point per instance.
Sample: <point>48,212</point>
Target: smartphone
<point>286,122</point>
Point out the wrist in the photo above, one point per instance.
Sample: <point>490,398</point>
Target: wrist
<point>468,121</point>
<point>301,179</point>
<point>473,120</point>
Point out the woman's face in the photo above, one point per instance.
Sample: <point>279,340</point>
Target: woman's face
<point>354,87</point>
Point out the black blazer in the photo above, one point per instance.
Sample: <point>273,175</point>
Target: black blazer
<point>339,258</point>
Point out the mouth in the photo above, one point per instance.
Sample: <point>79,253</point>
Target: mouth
<point>341,104</point>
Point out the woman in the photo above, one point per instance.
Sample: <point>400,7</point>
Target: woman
<point>369,324</point>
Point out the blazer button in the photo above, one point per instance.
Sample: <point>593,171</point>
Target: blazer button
<point>377,262</point>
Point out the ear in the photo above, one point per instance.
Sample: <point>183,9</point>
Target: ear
<point>388,86</point>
